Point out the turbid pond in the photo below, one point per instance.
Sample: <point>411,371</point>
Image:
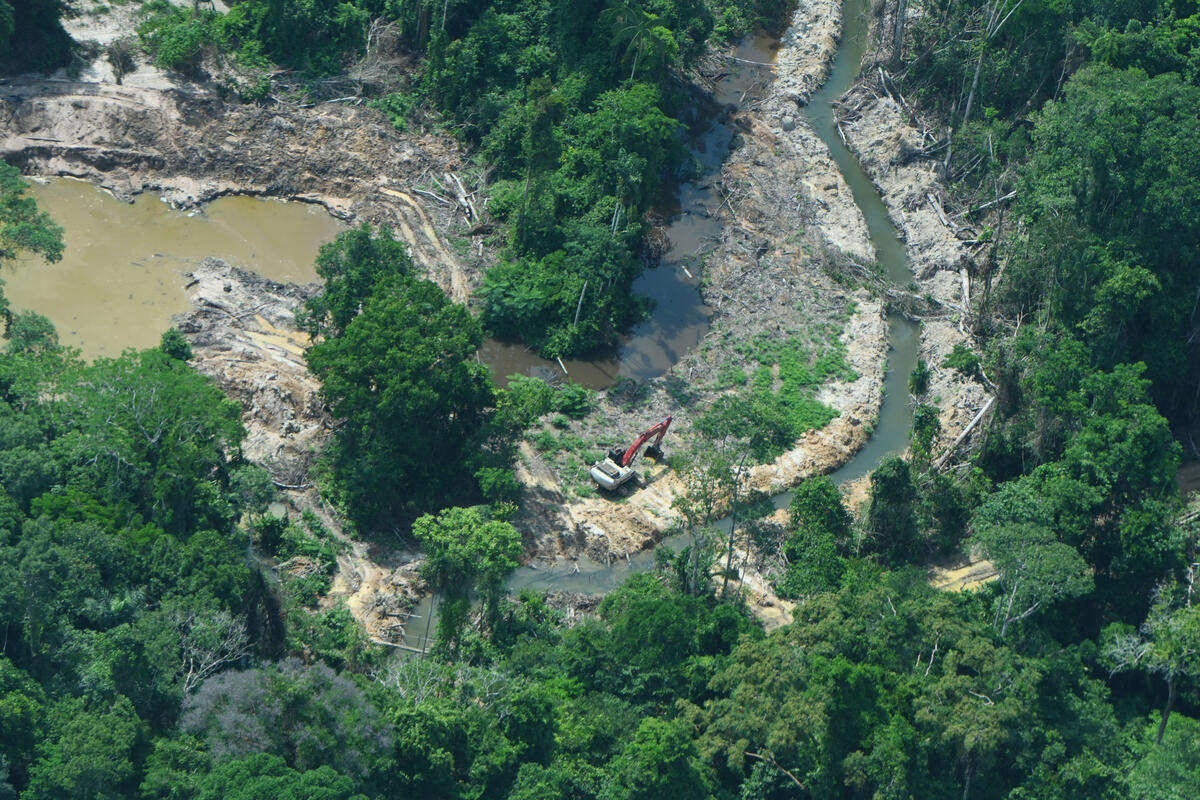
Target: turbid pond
<point>121,277</point>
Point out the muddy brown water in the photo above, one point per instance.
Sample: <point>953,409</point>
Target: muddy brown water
<point>120,281</point>
<point>121,277</point>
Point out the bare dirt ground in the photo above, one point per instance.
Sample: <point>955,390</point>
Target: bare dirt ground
<point>192,147</point>
<point>962,573</point>
<point>788,214</point>
<point>244,337</point>
<point>943,252</point>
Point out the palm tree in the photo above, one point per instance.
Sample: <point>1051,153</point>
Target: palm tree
<point>638,30</point>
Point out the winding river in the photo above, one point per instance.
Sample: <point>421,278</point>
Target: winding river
<point>119,285</point>
<point>588,576</point>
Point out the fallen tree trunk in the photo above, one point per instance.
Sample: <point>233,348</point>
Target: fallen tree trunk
<point>966,432</point>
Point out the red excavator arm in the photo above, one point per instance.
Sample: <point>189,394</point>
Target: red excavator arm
<point>657,432</point>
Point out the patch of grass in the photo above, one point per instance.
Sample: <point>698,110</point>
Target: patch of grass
<point>566,442</point>
<point>776,405</point>
<point>545,441</point>
<point>309,589</point>
<point>962,359</point>
<point>682,392</point>
<point>631,394</point>
<point>397,107</point>
<point>730,375</point>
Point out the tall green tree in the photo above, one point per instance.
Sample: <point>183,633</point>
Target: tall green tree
<point>1034,568</point>
<point>144,429</point>
<point>1170,770</point>
<point>819,527</point>
<point>23,227</point>
<point>411,402</point>
<point>465,550</point>
<point>892,518</point>
<point>352,265</point>
<point>89,754</point>
<point>659,761</point>
<point>1167,645</point>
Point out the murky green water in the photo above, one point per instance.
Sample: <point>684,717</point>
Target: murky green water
<point>895,417</point>
<point>120,279</point>
<point>588,576</point>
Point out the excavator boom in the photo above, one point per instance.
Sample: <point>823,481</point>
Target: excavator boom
<point>657,433</point>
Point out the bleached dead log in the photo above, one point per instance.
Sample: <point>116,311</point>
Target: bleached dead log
<point>965,433</point>
<point>937,207</point>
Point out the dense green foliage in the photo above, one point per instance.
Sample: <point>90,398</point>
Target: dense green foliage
<point>145,651</point>
<point>464,550</point>
<point>1104,173</point>
<point>120,559</point>
<point>1113,185</point>
<point>819,526</point>
<point>569,105</point>
<point>420,425</point>
<point>141,653</point>
<point>317,36</point>
<point>403,381</point>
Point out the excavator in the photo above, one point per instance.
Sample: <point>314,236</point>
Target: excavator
<point>617,468</point>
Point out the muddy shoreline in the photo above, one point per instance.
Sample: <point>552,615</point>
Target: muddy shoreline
<point>191,147</point>
<point>944,256</point>
<point>788,212</point>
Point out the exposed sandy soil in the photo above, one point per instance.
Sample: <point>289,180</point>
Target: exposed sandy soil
<point>962,573</point>
<point>243,337</point>
<point>787,214</point>
<point>193,147</point>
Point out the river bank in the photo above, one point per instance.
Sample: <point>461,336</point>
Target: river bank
<point>787,214</point>
<point>789,221</point>
<point>945,255</point>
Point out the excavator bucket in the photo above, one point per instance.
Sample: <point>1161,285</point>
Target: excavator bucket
<point>655,453</point>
